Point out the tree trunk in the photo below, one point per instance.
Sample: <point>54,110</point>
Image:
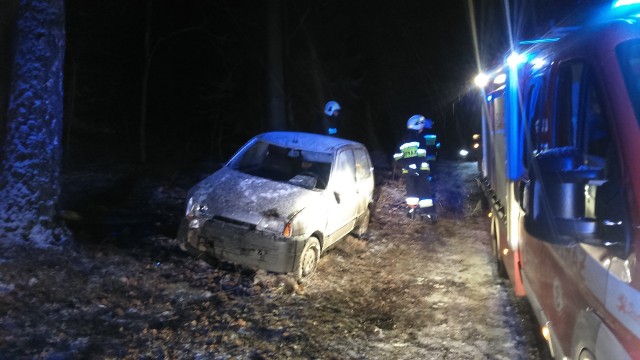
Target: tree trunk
<point>31,157</point>
<point>146,69</point>
<point>275,97</point>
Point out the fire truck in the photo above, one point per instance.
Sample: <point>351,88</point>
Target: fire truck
<point>560,170</point>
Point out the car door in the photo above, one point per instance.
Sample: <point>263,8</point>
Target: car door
<point>343,197</point>
<point>364,179</point>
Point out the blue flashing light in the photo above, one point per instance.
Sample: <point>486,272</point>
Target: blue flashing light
<point>621,3</point>
<point>489,98</point>
<point>516,59</point>
<point>538,63</point>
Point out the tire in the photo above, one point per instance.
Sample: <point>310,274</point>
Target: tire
<point>500,268</point>
<point>308,259</point>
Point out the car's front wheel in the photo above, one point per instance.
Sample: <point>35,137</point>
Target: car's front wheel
<point>308,259</point>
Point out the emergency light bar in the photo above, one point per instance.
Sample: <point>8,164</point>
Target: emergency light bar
<point>540,41</point>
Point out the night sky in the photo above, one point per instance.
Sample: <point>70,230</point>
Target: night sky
<point>208,70</point>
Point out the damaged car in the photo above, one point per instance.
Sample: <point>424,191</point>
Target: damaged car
<point>280,202</point>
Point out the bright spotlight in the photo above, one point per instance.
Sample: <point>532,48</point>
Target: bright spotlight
<point>500,79</point>
<point>481,80</point>
<point>515,59</point>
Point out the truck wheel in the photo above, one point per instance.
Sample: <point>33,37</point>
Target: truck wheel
<point>308,259</point>
<point>587,355</point>
<point>500,269</point>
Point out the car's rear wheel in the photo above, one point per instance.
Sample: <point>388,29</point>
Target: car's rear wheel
<point>308,259</point>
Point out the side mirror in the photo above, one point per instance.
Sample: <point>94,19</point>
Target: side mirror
<point>556,198</point>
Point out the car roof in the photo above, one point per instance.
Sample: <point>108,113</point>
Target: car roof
<point>305,141</point>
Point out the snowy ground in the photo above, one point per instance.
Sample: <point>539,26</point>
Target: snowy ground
<point>412,290</point>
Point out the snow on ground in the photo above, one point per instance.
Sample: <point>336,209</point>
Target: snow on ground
<point>411,290</point>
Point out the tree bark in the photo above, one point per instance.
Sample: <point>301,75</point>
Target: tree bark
<point>32,155</point>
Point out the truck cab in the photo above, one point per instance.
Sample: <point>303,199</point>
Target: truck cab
<point>561,171</point>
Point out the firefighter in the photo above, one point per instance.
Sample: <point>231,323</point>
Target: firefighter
<point>416,171</point>
<point>330,123</point>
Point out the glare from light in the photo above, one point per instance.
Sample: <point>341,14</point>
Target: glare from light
<point>481,80</point>
<point>538,63</point>
<point>505,252</point>
<point>515,59</point>
<point>476,145</point>
<point>463,152</point>
<point>475,136</point>
<point>546,333</point>
<point>500,79</point>
<point>619,3</point>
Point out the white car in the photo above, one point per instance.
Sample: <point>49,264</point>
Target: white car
<point>281,200</point>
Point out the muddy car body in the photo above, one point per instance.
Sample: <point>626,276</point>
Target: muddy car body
<point>280,201</point>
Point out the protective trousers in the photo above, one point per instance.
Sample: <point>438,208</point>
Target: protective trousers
<point>418,184</point>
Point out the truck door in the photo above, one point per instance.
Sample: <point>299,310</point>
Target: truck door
<point>584,209</point>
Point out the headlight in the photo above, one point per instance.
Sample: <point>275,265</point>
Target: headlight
<point>189,207</point>
<point>195,224</point>
<point>271,224</point>
<point>464,153</point>
<point>195,208</point>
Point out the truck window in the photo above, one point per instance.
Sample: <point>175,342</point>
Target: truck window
<point>596,135</point>
<point>532,126</point>
<point>629,58</point>
<point>567,104</point>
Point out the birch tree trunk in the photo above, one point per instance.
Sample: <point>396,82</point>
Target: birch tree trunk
<point>31,157</point>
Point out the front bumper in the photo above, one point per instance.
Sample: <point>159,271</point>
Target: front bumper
<point>241,244</point>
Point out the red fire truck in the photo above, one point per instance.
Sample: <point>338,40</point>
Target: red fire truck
<point>561,172</point>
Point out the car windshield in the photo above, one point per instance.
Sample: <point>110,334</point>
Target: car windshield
<point>629,58</point>
<point>304,168</point>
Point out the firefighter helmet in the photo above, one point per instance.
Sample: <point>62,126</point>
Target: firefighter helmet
<point>416,122</point>
<point>331,107</point>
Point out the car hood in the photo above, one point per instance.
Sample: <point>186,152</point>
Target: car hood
<point>239,196</point>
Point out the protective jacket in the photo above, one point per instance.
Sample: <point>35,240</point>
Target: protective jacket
<point>329,125</point>
<point>413,152</point>
<point>412,156</point>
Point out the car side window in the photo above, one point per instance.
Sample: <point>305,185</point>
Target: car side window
<point>363,166</point>
<point>345,170</point>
